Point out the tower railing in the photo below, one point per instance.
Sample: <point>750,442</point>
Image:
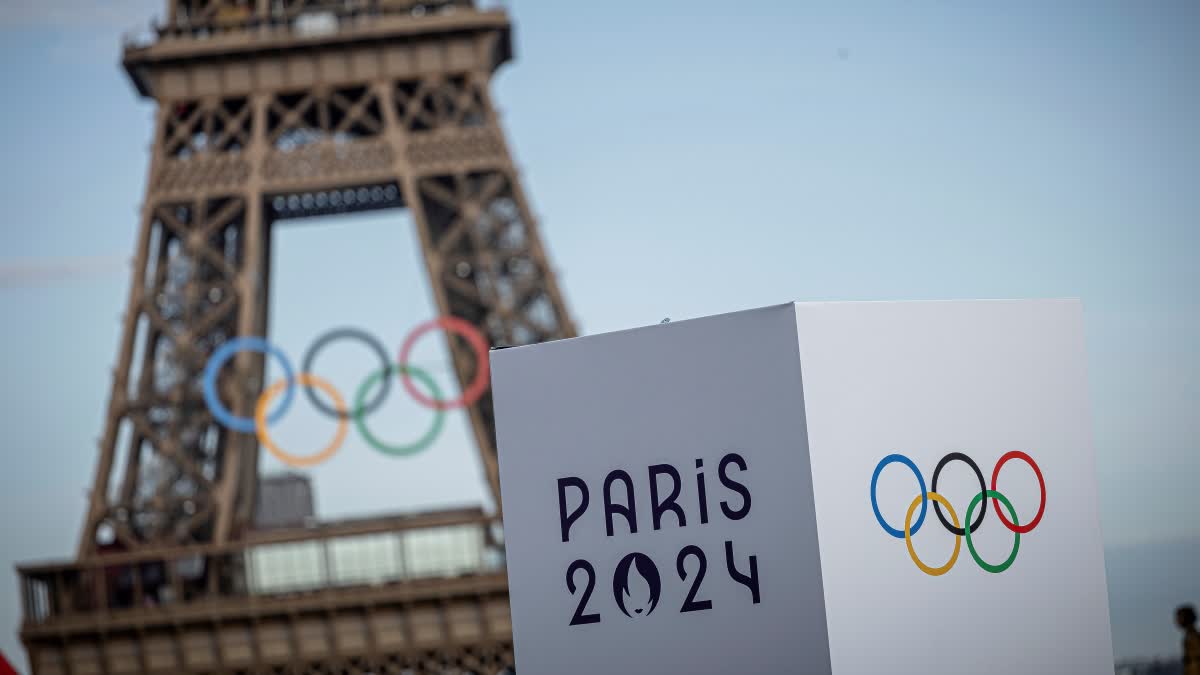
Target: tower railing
<point>200,19</point>
<point>426,548</point>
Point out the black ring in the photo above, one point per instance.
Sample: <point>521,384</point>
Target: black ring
<point>982,488</point>
<point>363,336</point>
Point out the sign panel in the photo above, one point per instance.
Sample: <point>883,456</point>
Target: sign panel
<point>764,491</point>
<point>658,510</point>
<point>957,397</point>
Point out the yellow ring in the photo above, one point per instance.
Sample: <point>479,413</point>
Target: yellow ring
<point>260,422</point>
<point>931,571</point>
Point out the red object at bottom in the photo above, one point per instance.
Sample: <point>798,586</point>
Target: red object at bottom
<point>6,667</point>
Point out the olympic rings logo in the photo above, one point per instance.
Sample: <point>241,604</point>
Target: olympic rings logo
<point>362,406</point>
<point>923,499</point>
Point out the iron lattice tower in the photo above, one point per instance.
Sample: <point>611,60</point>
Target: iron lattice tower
<point>376,104</point>
<point>269,110</point>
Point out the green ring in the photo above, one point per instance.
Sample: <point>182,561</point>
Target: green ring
<point>994,569</point>
<point>398,450</point>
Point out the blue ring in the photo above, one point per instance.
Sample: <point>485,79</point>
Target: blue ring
<point>899,534</point>
<point>226,352</point>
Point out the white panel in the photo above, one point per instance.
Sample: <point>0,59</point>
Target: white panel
<point>662,395</point>
<point>925,380</point>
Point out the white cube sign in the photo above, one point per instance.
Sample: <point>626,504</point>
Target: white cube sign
<point>807,488</point>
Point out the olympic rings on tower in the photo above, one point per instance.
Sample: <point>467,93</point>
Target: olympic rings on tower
<point>260,421</point>
<point>362,336</point>
<point>419,444</point>
<point>455,325</point>
<point>954,527</point>
<point>364,402</point>
<point>218,359</point>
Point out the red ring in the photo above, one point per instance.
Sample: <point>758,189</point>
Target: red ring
<point>1023,529</point>
<point>478,343</point>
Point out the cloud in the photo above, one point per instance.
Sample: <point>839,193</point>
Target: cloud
<point>40,272</point>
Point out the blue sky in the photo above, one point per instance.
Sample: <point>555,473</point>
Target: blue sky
<point>683,159</point>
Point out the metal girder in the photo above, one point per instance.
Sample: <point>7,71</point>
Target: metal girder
<point>421,132</point>
<point>86,616</point>
<point>259,120</point>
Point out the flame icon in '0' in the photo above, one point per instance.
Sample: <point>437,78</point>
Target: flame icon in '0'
<point>636,585</point>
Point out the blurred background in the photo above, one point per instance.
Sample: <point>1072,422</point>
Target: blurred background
<point>683,159</point>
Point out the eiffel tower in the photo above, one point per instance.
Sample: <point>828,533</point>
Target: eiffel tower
<point>269,110</point>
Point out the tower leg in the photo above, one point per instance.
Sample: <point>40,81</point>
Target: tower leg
<point>482,251</point>
<point>196,284</point>
<point>486,267</point>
